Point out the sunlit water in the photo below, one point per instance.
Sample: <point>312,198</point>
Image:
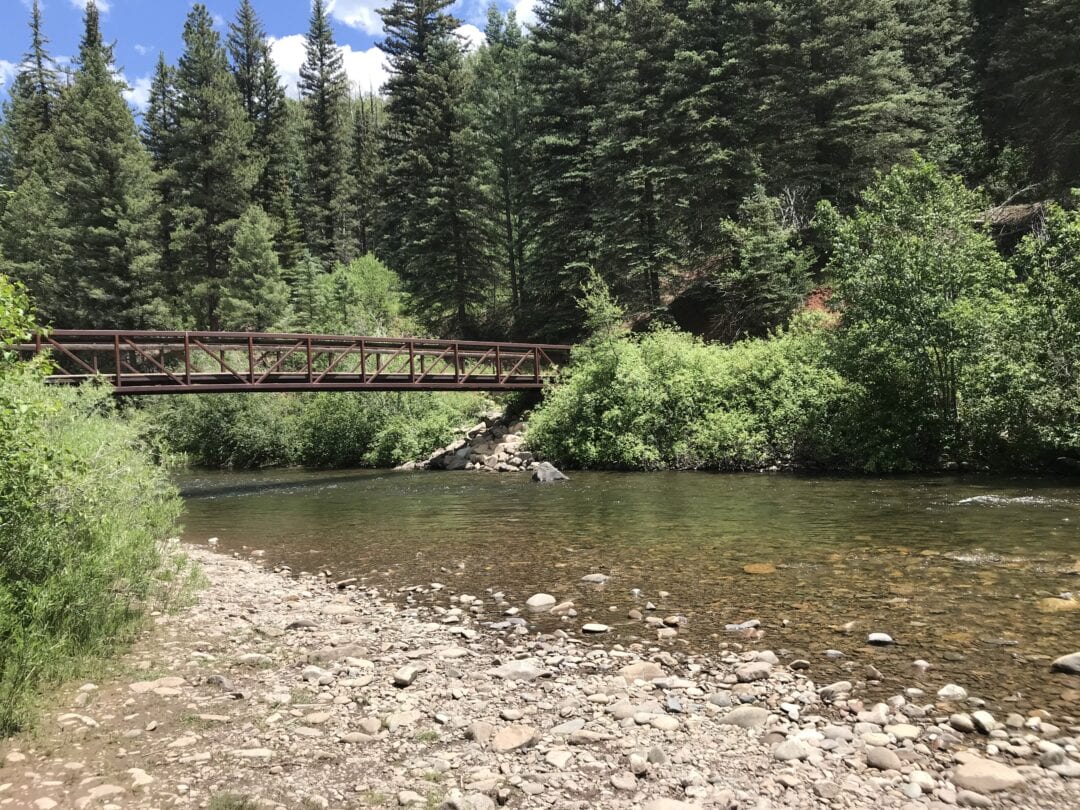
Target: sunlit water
<point>953,569</point>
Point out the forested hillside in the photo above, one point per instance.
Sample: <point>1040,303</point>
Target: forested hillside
<point>679,147</point>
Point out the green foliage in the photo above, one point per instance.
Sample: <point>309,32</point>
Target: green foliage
<point>83,518</point>
<point>320,430</point>
<point>255,296</point>
<point>433,234</point>
<point>358,298</point>
<point>324,91</point>
<point>920,290</point>
<point>1048,333</point>
<point>756,277</point>
<point>213,168</point>
<point>16,319</point>
<point>667,400</point>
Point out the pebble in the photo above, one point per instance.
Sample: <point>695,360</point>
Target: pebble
<point>540,602</point>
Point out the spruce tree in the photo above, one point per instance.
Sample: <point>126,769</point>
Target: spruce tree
<point>263,97</point>
<point>214,173</point>
<point>1033,89</point>
<point>710,160</point>
<point>632,210</point>
<point>256,298</point>
<point>324,91</point>
<point>107,264</point>
<point>937,38</point>
<point>432,233</point>
<point>29,211</point>
<point>827,95</point>
<point>562,200</point>
<point>498,105</point>
<point>366,169</point>
<point>159,132</point>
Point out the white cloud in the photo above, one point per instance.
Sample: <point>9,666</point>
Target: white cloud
<point>359,14</point>
<point>367,70</point>
<point>526,12</point>
<point>138,92</point>
<point>472,35</point>
<point>104,6</point>
<point>7,72</point>
<point>143,50</point>
<point>219,21</point>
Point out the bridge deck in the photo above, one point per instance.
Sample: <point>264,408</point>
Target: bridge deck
<point>144,362</point>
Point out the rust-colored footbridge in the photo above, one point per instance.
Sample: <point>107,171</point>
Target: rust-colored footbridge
<point>142,362</point>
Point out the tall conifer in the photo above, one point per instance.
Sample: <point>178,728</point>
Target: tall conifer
<point>324,91</point>
<point>107,265</point>
<point>433,234</point>
<point>214,172</point>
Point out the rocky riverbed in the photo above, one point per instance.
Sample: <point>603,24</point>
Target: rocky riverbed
<point>298,691</point>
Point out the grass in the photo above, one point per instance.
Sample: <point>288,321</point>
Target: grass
<point>233,801</point>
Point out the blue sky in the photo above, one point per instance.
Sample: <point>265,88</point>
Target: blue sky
<point>142,28</point>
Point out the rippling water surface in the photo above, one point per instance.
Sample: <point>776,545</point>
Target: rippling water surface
<point>954,569</point>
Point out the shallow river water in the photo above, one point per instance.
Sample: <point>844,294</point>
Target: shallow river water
<point>953,569</point>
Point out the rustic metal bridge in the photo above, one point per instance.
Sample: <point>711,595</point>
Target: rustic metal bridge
<point>142,362</point>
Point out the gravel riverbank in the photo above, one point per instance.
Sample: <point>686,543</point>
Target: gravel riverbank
<point>300,692</point>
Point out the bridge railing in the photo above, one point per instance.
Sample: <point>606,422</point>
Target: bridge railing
<point>146,362</point>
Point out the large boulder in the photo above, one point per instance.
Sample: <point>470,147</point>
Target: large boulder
<point>547,473</point>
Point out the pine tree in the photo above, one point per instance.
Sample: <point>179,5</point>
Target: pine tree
<point>324,91</point>
<point>498,105</point>
<point>256,297</point>
<point>29,213</point>
<point>432,232</point>
<point>710,160</point>
<point>366,169</point>
<point>828,96</point>
<point>214,173</point>
<point>159,132</point>
<point>263,97</point>
<point>632,210</point>
<point>937,38</point>
<point>107,264</point>
<point>562,199</point>
<point>1033,94</point>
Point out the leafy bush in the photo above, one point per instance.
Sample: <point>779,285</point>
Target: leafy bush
<point>921,293</point>
<point>319,430</point>
<point>83,516</point>
<point>667,400</point>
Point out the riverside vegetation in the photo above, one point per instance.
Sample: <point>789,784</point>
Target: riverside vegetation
<point>84,511</point>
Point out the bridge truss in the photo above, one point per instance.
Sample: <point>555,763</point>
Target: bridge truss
<point>151,363</point>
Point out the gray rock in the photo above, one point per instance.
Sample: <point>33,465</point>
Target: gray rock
<point>791,749</point>
<point>546,473</point>
<point>745,717</point>
<point>522,669</point>
<point>642,670</point>
<point>952,692</point>
<point>756,671</point>
<point>1069,664</point>
<point>511,738</point>
<point>540,602</point>
<point>986,776</point>
<point>880,639</point>
<point>407,674</point>
<point>595,579</point>
<point>835,690</point>
<point>883,759</point>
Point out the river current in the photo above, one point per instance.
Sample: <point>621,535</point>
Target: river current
<point>962,572</point>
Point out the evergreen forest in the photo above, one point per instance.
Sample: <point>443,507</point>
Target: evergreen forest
<point>884,187</point>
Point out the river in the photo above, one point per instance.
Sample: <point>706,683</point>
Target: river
<point>954,569</point>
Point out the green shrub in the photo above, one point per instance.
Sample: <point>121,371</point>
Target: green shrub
<point>381,429</point>
<point>84,513</point>
<point>667,400</point>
